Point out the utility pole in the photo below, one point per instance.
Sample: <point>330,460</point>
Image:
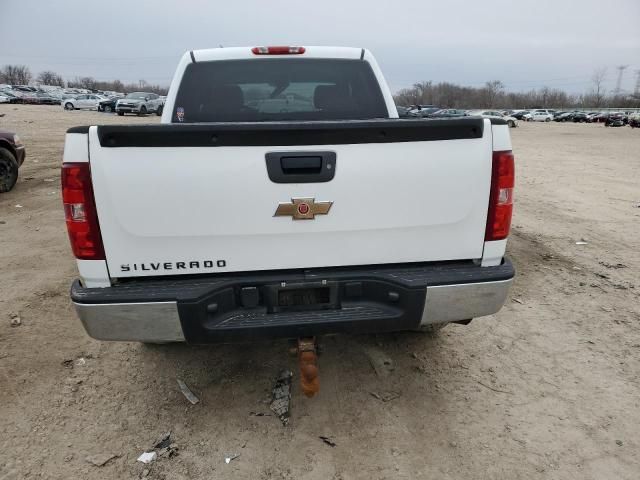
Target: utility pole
<point>621,69</point>
<point>636,91</point>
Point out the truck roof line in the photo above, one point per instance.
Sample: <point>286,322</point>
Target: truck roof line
<point>80,129</point>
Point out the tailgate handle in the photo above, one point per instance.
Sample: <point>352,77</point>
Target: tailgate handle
<point>295,165</point>
<point>301,167</point>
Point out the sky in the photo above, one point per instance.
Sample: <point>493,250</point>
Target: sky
<point>524,43</point>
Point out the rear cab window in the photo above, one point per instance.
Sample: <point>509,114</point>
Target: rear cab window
<point>257,90</point>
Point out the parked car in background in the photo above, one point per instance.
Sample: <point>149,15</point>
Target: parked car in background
<point>111,93</point>
<point>448,113</point>
<point>403,112</point>
<point>541,116</point>
<point>591,116</point>
<point>30,98</point>
<point>12,154</point>
<point>13,98</point>
<point>634,120</point>
<point>511,121</point>
<point>108,105</point>
<point>421,106</point>
<point>4,99</point>
<point>82,102</point>
<point>45,98</point>
<point>24,88</point>
<point>563,117</point>
<point>615,120</point>
<point>65,96</point>
<point>140,103</point>
<point>524,115</point>
<point>579,117</point>
<point>423,112</point>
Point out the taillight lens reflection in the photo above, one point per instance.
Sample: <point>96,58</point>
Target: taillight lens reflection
<point>501,196</point>
<point>80,212</point>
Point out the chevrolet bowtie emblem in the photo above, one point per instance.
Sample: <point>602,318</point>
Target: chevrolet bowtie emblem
<point>302,209</point>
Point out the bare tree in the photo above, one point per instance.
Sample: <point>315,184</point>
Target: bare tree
<point>50,78</point>
<point>88,82</point>
<point>492,90</point>
<point>84,82</point>
<point>116,86</point>
<point>598,91</point>
<point>16,74</point>
<point>423,92</point>
<point>544,93</point>
<point>492,95</point>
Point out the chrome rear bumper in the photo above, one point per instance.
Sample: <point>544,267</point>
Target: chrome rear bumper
<point>451,303</point>
<point>367,299</point>
<point>141,322</point>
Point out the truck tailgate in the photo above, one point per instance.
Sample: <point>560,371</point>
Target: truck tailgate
<point>186,199</point>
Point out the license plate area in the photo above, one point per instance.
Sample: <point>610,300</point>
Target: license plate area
<point>302,296</point>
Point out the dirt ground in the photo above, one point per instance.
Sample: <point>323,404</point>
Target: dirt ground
<point>548,388</point>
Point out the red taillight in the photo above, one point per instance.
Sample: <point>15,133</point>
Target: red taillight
<point>80,212</point>
<point>278,50</point>
<point>501,196</point>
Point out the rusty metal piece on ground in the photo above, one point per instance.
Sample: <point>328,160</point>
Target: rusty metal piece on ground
<point>308,361</point>
<point>281,396</point>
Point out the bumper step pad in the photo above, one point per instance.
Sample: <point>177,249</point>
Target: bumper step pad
<point>257,319</point>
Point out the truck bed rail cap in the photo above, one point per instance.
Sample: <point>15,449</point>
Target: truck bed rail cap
<point>289,133</point>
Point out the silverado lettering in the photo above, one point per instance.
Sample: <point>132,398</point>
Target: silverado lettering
<point>128,267</point>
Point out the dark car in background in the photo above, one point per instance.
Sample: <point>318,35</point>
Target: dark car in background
<point>12,154</point>
<point>601,117</point>
<point>24,88</point>
<point>591,116</point>
<point>109,105</point>
<point>44,98</point>
<point>521,114</point>
<point>579,117</point>
<point>30,98</point>
<point>615,120</point>
<point>564,117</point>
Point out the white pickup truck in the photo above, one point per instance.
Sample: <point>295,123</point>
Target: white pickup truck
<point>282,197</point>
